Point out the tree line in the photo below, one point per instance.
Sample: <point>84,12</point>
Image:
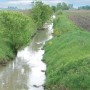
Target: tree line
<point>87,7</point>
<point>62,6</point>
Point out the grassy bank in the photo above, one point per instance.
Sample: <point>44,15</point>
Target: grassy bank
<point>67,57</point>
<point>16,30</point>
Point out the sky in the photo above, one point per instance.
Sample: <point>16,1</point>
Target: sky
<point>27,3</point>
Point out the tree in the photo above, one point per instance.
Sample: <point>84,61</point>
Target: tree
<point>18,28</point>
<point>65,6</point>
<point>87,7</point>
<point>54,8</point>
<point>70,6</point>
<point>41,13</point>
<point>59,6</point>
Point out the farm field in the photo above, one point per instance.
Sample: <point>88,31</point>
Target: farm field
<point>81,18</point>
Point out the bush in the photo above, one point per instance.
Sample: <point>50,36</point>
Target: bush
<point>59,12</point>
<point>41,13</point>
<point>16,30</point>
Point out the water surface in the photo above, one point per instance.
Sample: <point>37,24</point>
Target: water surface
<point>27,71</point>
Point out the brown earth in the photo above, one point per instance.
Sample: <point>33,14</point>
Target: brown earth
<point>81,18</point>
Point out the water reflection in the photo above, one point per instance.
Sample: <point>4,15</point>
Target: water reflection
<point>27,71</point>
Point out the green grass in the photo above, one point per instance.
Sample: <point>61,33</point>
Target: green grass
<point>16,30</point>
<point>68,57</point>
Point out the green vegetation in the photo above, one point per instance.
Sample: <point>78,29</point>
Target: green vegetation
<point>68,57</point>
<point>87,7</point>
<point>41,13</point>
<point>16,30</point>
<point>62,6</point>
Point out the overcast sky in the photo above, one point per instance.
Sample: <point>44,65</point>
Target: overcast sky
<point>27,3</point>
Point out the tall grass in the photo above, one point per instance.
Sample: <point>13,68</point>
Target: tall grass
<point>68,57</point>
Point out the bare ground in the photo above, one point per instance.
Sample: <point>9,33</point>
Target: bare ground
<point>81,18</point>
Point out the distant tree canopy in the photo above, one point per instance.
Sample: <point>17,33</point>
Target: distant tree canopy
<point>41,13</point>
<point>62,6</point>
<point>87,7</point>
<point>54,8</point>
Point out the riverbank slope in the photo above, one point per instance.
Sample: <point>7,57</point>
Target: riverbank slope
<point>67,57</point>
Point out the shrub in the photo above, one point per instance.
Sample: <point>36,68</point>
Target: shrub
<point>41,13</point>
<point>16,30</point>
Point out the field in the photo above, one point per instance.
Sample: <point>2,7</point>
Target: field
<point>81,18</point>
<point>68,57</point>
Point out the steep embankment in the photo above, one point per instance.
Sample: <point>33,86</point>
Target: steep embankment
<point>68,57</point>
<point>16,30</point>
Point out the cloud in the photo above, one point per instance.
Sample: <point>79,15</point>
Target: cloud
<point>19,2</point>
<point>16,3</point>
<point>27,3</point>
